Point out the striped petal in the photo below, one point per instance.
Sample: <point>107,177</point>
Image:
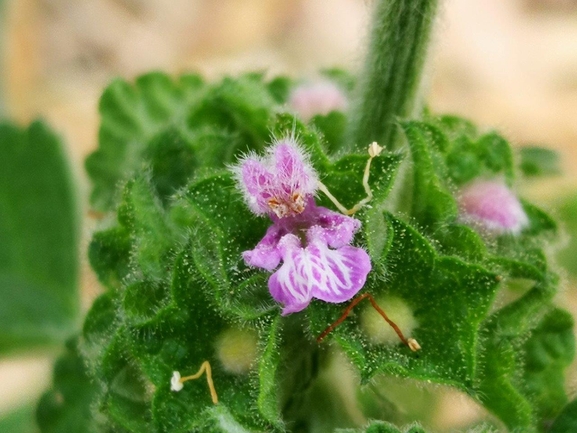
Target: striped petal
<point>317,271</point>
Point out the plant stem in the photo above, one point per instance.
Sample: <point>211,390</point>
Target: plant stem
<point>389,87</point>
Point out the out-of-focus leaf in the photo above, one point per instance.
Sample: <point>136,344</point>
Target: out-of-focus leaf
<point>20,420</point>
<point>38,237</point>
<point>567,420</point>
<point>539,161</point>
<point>131,116</point>
<point>67,406</point>
<point>549,351</point>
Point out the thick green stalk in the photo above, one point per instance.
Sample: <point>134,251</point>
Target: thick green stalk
<point>389,85</point>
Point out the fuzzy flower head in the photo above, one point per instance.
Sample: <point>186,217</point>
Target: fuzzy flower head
<point>309,100</point>
<point>280,183</point>
<point>309,244</point>
<point>493,206</point>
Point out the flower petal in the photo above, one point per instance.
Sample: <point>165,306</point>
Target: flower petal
<point>317,98</point>
<point>258,184</point>
<point>337,275</point>
<point>317,271</point>
<point>290,284</point>
<point>494,206</point>
<point>266,254</point>
<point>338,229</point>
<point>295,175</point>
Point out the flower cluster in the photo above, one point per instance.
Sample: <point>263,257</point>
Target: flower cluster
<point>311,241</point>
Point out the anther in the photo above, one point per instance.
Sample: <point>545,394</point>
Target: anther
<point>375,149</point>
<point>413,344</point>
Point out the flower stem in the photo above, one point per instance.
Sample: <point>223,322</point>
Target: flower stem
<point>389,86</point>
<point>204,368</point>
<point>411,343</point>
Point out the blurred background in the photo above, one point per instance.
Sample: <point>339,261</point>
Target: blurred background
<point>509,65</point>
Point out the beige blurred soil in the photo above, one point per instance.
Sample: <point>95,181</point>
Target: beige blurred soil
<point>509,65</point>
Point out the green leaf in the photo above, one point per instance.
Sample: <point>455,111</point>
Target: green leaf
<point>332,127</point>
<point>219,420</point>
<point>344,79</point>
<point>449,299</point>
<point>567,210</point>
<point>67,406</point>
<point>501,385</point>
<point>221,228</point>
<point>130,116</point>
<point>383,427</point>
<point>567,419</point>
<point>243,105</point>
<point>279,88</point>
<point>455,127</point>
<point>172,161</point>
<point>268,375</point>
<point>99,327</point>
<point>19,420</point>
<point>496,156</point>
<point>142,214</point>
<point>39,237</point>
<point>432,203</point>
<point>182,339</point>
<point>550,350</point>
<point>469,155</point>
<point>539,161</point>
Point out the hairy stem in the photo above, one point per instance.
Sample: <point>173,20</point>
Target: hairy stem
<point>390,83</point>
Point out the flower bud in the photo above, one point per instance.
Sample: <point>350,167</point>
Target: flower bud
<point>492,206</point>
<point>309,100</point>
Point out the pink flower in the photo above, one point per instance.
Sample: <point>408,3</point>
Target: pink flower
<point>309,100</point>
<point>493,206</point>
<point>312,242</point>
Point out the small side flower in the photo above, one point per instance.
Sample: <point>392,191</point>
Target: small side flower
<point>308,100</point>
<point>492,206</point>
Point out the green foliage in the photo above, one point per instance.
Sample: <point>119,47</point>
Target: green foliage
<point>567,419</point>
<point>567,213</point>
<point>384,427</point>
<point>38,238</point>
<point>66,407</point>
<point>539,161</point>
<point>20,420</point>
<point>549,350</point>
<point>172,264</point>
<point>175,128</point>
<point>176,283</point>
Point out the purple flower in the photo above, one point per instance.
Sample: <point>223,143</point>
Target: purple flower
<point>493,206</point>
<point>309,100</point>
<point>311,241</point>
